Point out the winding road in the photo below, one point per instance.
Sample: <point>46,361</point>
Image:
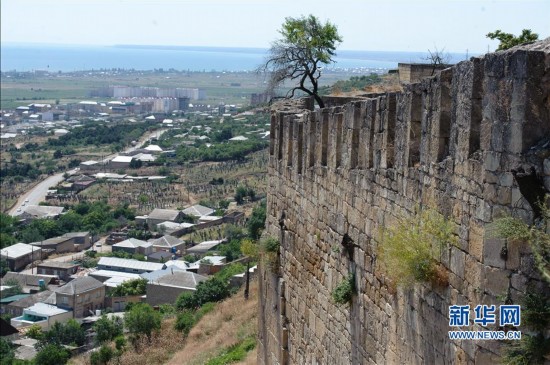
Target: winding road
<point>38,193</point>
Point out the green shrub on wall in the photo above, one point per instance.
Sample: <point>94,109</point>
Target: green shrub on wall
<point>539,241</point>
<point>343,293</point>
<point>269,253</point>
<point>410,250</point>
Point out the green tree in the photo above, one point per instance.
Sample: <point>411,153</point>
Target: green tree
<point>305,46</point>
<point>35,332</point>
<point>70,221</point>
<point>508,40</point>
<point>240,194</point>
<point>141,319</point>
<point>130,287</point>
<point>211,290</point>
<point>15,288</point>
<point>69,333</point>
<point>103,356</point>
<point>135,164</point>
<point>52,354</point>
<point>185,321</point>
<point>6,352</point>
<point>4,268</point>
<point>7,229</point>
<point>107,329</point>
<point>256,222</point>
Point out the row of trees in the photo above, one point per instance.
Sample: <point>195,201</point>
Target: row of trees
<point>96,217</point>
<point>218,152</point>
<point>100,134</point>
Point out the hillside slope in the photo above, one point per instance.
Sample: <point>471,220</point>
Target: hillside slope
<point>231,322</point>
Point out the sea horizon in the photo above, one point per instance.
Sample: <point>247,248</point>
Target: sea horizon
<point>68,58</point>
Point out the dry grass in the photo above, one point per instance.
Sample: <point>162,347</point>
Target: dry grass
<point>231,321</point>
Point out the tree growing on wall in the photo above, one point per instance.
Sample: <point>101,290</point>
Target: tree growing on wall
<point>437,58</point>
<point>508,40</point>
<point>305,46</point>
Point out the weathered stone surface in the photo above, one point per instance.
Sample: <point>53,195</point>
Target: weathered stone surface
<point>449,143</point>
<point>492,252</point>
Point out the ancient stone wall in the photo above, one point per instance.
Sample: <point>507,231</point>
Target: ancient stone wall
<point>340,174</point>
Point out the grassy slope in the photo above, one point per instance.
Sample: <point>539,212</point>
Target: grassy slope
<point>229,323</point>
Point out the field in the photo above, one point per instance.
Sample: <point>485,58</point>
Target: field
<point>192,186</point>
<point>221,87</point>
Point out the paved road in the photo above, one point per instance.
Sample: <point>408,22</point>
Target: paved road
<point>38,193</point>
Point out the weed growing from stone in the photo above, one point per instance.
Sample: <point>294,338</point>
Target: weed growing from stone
<point>410,250</point>
<point>343,293</point>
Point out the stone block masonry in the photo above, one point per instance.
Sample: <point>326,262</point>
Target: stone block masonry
<point>452,142</point>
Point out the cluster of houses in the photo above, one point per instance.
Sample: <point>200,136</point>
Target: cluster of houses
<point>55,290</point>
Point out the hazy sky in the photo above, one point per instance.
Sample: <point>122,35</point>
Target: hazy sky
<point>365,25</point>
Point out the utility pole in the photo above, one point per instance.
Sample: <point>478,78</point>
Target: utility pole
<point>247,287</point>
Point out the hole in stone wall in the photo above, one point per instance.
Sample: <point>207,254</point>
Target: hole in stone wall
<point>349,246</point>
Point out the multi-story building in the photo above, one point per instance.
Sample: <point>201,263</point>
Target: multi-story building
<point>82,295</point>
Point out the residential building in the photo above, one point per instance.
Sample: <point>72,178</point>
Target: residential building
<point>164,215</point>
<point>198,210</point>
<point>82,295</point>
<point>160,256</point>
<point>42,314</point>
<point>127,265</point>
<point>15,305</point>
<point>133,246</point>
<point>20,255</point>
<point>40,211</point>
<point>120,162</point>
<point>104,275</point>
<point>89,166</point>
<point>55,245</point>
<point>30,283</point>
<point>81,182</point>
<point>171,227</point>
<point>169,244</point>
<point>203,247</point>
<point>167,288</point>
<point>63,270</point>
<point>69,242</point>
<point>208,265</point>
<point>81,240</point>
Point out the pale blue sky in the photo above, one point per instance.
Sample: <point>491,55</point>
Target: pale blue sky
<point>365,25</point>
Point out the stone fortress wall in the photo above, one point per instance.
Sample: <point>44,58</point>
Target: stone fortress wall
<point>340,174</point>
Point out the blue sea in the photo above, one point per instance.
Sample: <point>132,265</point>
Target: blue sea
<point>53,58</point>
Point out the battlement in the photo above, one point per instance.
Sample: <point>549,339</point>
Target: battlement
<point>451,142</point>
<point>487,110</point>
